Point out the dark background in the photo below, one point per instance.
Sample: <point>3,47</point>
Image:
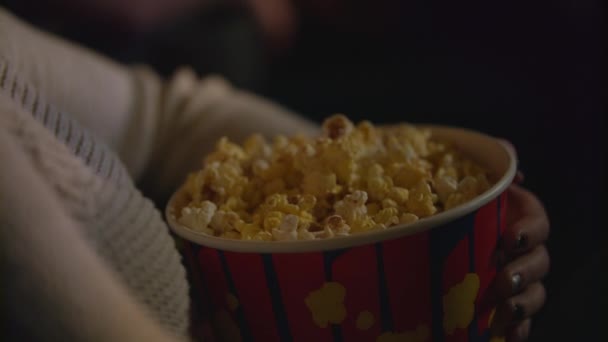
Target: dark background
<point>528,71</point>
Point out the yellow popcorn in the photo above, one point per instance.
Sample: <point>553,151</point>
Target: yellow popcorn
<point>249,231</point>
<point>399,195</point>
<point>445,186</point>
<point>194,185</point>
<point>406,218</point>
<point>274,186</point>
<point>256,147</point>
<point>379,187</point>
<point>337,126</point>
<point>320,184</point>
<point>467,189</point>
<point>335,225</point>
<point>225,178</point>
<point>287,229</point>
<point>263,236</point>
<point>307,202</point>
<point>420,201</point>
<point>408,175</point>
<point>223,221</point>
<point>389,203</point>
<point>350,179</point>
<point>198,218</point>
<point>273,220</point>
<point>387,216</point>
<point>373,208</point>
<point>352,208</point>
<point>224,151</point>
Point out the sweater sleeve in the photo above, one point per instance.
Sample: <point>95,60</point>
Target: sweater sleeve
<point>160,129</point>
<point>92,89</point>
<point>55,287</point>
<point>191,114</point>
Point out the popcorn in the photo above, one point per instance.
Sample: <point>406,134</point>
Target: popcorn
<point>287,230</point>
<point>307,202</point>
<point>407,218</point>
<point>420,201</point>
<point>373,208</point>
<point>407,175</point>
<point>350,179</point>
<point>259,167</point>
<point>387,216</point>
<point>223,222</point>
<point>352,208</point>
<point>274,186</point>
<point>226,150</point>
<point>320,184</point>
<point>305,234</point>
<point>468,188</point>
<point>337,126</point>
<point>399,195</point>
<point>256,147</point>
<point>198,218</point>
<point>273,220</point>
<point>445,186</point>
<point>335,225</point>
<point>249,231</point>
<point>389,203</point>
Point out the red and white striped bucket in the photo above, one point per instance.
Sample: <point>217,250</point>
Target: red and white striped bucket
<point>427,281</point>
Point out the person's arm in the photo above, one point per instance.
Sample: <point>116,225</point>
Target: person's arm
<point>160,129</point>
<point>55,287</point>
<point>190,115</point>
<point>163,129</point>
<point>93,90</point>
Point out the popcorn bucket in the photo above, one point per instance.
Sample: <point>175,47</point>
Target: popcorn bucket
<point>426,281</point>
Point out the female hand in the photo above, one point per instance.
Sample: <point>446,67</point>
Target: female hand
<point>526,262</point>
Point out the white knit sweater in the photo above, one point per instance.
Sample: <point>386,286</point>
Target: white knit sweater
<point>85,255</point>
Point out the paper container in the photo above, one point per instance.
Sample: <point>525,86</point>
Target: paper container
<point>428,281</point>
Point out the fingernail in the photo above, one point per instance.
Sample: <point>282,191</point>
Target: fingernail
<point>518,312</point>
<point>521,242</point>
<point>516,282</point>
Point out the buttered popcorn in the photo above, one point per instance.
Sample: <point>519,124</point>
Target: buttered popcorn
<point>350,179</point>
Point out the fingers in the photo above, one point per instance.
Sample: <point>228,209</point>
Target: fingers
<point>520,332</point>
<point>523,271</point>
<point>518,308</point>
<point>517,333</point>
<point>528,224</point>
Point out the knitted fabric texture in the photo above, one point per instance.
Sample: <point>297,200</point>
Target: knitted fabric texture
<point>123,226</point>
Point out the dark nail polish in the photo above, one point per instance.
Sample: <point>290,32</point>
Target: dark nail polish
<point>516,283</point>
<point>518,312</point>
<point>521,242</point>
